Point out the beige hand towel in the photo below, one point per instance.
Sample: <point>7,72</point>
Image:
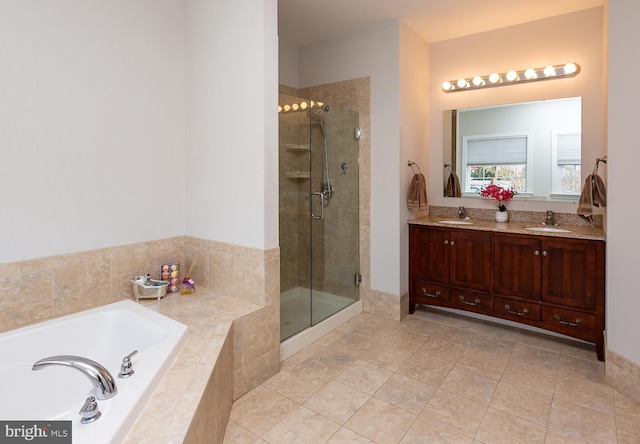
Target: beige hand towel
<point>417,196</point>
<point>453,186</point>
<point>594,194</point>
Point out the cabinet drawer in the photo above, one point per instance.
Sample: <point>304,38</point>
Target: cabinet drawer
<point>516,309</point>
<point>427,293</point>
<point>470,301</point>
<point>570,322</point>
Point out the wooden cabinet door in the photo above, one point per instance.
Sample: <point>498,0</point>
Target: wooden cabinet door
<point>569,273</point>
<point>470,260</point>
<point>517,267</point>
<point>429,254</point>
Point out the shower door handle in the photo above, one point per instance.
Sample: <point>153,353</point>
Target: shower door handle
<point>321,195</point>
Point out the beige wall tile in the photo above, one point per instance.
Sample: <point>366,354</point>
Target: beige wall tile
<point>25,299</point>
<point>260,332</point>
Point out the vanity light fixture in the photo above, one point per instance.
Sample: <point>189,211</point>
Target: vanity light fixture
<point>512,77</point>
<point>299,106</point>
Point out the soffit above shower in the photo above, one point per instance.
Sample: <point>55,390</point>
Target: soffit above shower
<point>306,21</point>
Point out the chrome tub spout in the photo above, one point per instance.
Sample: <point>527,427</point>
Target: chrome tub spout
<point>104,383</point>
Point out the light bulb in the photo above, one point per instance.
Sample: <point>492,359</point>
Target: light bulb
<point>477,81</point>
<point>447,86</point>
<point>303,105</point>
<point>530,74</point>
<point>462,83</point>
<point>512,75</point>
<point>287,108</point>
<point>279,109</point>
<point>494,77</point>
<point>320,104</point>
<point>295,107</point>
<point>570,68</point>
<point>549,71</point>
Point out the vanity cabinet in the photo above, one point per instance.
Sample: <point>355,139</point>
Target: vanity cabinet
<point>450,267</point>
<point>549,282</point>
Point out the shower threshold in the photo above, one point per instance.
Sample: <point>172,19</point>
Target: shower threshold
<point>294,317</point>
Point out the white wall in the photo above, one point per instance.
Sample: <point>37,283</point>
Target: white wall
<point>623,241</point>
<point>232,98</point>
<point>414,115</point>
<point>573,37</point>
<point>91,124</point>
<point>373,52</point>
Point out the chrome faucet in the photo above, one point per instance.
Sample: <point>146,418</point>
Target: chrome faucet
<point>461,213</point>
<point>550,220</point>
<point>103,382</point>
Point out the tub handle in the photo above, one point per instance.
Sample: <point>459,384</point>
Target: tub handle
<point>126,369</point>
<point>90,411</point>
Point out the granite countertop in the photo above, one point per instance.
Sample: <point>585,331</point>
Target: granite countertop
<point>575,231</point>
<point>168,413</point>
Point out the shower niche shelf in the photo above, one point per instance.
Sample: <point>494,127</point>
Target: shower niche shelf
<point>297,174</point>
<point>297,148</point>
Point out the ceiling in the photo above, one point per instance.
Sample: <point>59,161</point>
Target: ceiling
<point>306,21</point>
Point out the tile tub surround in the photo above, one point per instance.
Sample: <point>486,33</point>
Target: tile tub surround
<point>193,400</point>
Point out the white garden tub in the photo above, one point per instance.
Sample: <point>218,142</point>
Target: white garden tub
<point>104,334</point>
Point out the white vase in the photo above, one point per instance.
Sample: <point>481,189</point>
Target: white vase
<point>502,216</point>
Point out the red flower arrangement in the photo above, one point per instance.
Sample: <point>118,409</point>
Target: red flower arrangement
<point>498,193</point>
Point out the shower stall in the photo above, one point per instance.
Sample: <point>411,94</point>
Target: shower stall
<point>319,212</point>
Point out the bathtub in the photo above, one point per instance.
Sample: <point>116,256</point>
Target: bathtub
<point>105,334</point>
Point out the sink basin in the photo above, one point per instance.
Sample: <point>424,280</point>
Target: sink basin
<point>456,222</point>
<point>548,229</point>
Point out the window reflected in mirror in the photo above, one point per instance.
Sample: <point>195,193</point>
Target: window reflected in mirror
<point>533,148</point>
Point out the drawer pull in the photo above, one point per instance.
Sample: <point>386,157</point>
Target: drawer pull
<point>570,324</point>
<point>476,302</point>
<point>519,313</point>
<point>431,295</point>
<point>536,253</point>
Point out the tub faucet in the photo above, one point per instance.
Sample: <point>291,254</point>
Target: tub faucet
<point>103,382</point>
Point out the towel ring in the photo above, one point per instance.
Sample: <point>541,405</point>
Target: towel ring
<point>412,164</point>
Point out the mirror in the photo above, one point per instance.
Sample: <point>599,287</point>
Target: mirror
<point>533,147</point>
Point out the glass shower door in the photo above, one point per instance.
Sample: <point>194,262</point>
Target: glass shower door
<point>319,212</point>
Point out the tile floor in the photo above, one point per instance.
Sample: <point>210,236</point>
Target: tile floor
<point>436,378</point>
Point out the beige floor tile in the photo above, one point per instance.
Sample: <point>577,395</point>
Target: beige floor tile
<point>260,409</point>
<point>441,350</point>
<point>582,368</point>
<point>626,406</point>
<point>298,383</point>
<point>582,422</point>
<point>301,356</point>
<point>430,371</point>
<point>236,434</point>
<point>493,345</point>
<point>628,429</point>
<point>522,375</point>
<point>346,436</point>
<point>541,357</point>
<point>593,395</point>
<point>337,401</point>
<point>381,422</point>
<point>418,325</point>
<point>456,335</point>
<point>502,331</point>
<point>405,392</point>
<point>542,340</point>
<point>579,349</point>
<point>329,362</point>
<point>502,428</point>
<point>364,376</point>
<point>455,412</point>
<point>470,384</point>
<point>558,437</point>
<point>524,403</point>
<point>302,426</point>
<point>403,339</point>
<point>424,431</point>
<point>481,362</point>
<point>383,355</point>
